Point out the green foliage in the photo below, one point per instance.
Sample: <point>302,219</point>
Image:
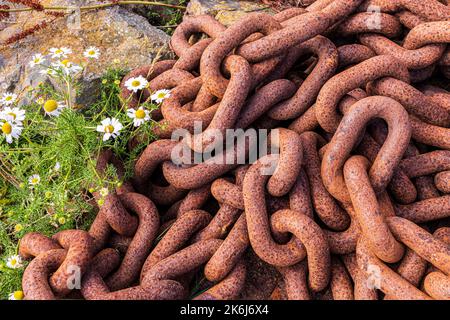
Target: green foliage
<point>10,279</point>
<point>62,150</point>
<point>167,18</point>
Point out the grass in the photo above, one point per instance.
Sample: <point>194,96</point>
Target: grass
<point>59,200</point>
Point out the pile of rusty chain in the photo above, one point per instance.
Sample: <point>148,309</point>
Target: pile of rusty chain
<point>357,205</point>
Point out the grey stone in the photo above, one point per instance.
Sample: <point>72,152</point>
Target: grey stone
<point>121,36</point>
<point>225,11</point>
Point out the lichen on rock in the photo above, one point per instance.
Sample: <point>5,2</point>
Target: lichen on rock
<point>121,36</point>
<point>225,11</point>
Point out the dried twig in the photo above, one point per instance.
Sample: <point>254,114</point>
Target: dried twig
<point>84,8</point>
<point>26,32</point>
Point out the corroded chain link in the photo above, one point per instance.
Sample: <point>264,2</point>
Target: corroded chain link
<point>351,97</point>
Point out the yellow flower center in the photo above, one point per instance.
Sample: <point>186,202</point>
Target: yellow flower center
<point>65,62</point>
<point>62,220</point>
<point>18,228</point>
<point>35,180</point>
<point>18,295</point>
<point>8,98</point>
<point>36,60</point>
<point>13,262</point>
<point>50,105</point>
<point>6,128</point>
<point>161,95</point>
<point>91,53</point>
<point>140,114</point>
<point>109,129</point>
<point>136,83</point>
<point>59,51</point>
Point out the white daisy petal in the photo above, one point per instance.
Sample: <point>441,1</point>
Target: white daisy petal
<point>117,125</point>
<point>37,59</point>
<point>67,66</point>
<point>53,108</point>
<point>75,68</point>
<point>10,129</point>
<point>16,295</point>
<point>14,262</point>
<point>104,192</point>
<point>139,116</point>
<point>17,115</point>
<point>66,50</point>
<point>110,127</point>
<point>136,84</point>
<point>160,95</point>
<point>8,98</point>
<point>34,180</point>
<point>92,53</point>
<point>60,52</point>
<point>48,72</point>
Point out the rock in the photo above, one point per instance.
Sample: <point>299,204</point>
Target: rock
<point>155,14</point>
<point>119,34</point>
<point>225,11</point>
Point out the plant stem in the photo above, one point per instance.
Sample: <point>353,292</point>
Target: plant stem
<point>99,6</point>
<point>69,96</point>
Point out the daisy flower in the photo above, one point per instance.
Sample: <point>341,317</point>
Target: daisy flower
<point>135,84</point>
<point>67,66</point>
<point>53,108</point>
<point>139,116</point>
<point>92,52</point>
<point>10,129</point>
<point>16,295</point>
<point>36,60</point>
<point>60,52</point>
<point>57,166</point>
<point>14,262</point>
<point>160,95</point>
<point>104,192</point>
<point>48,72</point>
<point>8,98</point>
<point>110,127</point>
<point>34,180</point>
<point>17,114</point>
